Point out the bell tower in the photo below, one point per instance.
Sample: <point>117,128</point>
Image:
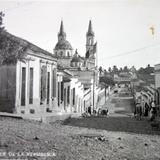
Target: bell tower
<point>61,34</point>
<point>91,48</point>
<point>89,38</point>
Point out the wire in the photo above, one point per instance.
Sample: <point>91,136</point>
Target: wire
<point>131,52</point>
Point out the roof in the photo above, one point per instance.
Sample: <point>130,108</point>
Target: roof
<point>29,45</point>
<point>90,31</point>
<point>61,31</point>
<point>63,44</point>
<point>63,70</point>
<point>76,57</point>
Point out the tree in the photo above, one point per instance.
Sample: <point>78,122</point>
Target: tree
<point>105,72</point>
<point>100,70</point>
<point>110,70</point>
<point>107,81</point>
<point>125,69</point>
<point>115,69</point>
<point>10,50</point>
<point>121,69</point>
<point>1,22</point>
<point>147,70</point>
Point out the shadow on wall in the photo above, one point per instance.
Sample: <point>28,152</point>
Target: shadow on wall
<point>117,124</point>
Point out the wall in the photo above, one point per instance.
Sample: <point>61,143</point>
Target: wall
<point>157,75</point>
<point>85,77</point>
<point>64,61</point>
<point>38,105</point>
<point>7,88</point>
<point>79,92</point>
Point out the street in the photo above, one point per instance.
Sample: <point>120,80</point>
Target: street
<point>120,117</point>
<point>117,136</point>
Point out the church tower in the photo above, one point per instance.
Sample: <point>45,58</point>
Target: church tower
<point>61,34</point>
<point>63,49</point>
<point>91,47</point>
<point>89,37</point>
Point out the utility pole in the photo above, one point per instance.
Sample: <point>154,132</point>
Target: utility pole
<point>105,93</point>
<point>93,87</point>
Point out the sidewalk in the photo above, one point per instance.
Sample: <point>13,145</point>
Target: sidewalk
<point>43,117</point>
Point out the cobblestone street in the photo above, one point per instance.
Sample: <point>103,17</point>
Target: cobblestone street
<point>120,118</point>
<point>118,136</point>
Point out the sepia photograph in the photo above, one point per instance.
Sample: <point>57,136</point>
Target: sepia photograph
<point>79,79</point>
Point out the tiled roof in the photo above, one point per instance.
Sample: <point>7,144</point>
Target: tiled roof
<point>63,44</point>
<point>29,45</point>
<point>76,57</point>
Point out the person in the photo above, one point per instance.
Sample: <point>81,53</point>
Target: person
<point>89,110</point>
<point>143,106</point>
<point>146,109</point>
<point>138,111</point>
<point>153,111</point>
<point>153,104</point>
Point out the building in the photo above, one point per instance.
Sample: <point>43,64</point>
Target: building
<point>63,49</point>
<point>64,52</point>
<point>157,83</point>
<point>44,82</point>
<point>29,86</point>
<point>70,92</point>
<point>84,68</point>
<point>76,64</point>
<point>122,78</point>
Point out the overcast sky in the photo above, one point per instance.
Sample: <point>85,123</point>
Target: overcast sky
<point>122,27</point>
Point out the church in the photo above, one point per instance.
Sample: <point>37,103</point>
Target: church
<point>44,82</point>
<point>83,67</point>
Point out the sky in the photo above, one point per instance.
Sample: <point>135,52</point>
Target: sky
<point>122,27</point>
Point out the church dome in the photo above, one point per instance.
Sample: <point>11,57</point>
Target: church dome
<point>63,44</point>
<point>76,57</point>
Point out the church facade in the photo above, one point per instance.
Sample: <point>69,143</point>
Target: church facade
<point>64,51</point>
<point>83,67</point>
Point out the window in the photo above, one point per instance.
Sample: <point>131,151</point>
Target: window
<point>43,84</point>
<point>31,86</point>
<point>54,81</point>
<point>61,53</point>
<point>58,93</point>
<point>68,54</point>
<point>90,41</point>
<point>73,96</point>
<point>68,95</point>
<point>62,89</point>
<point>48,87</point>
<point>23,87</point>
<point>65,97</point>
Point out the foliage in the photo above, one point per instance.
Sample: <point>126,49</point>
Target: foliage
<point>115,69</point>
<point>109,70</point>
<point>125,69</point>
<point>106,80</point>
<point>147,70</point>
<point>1,22</point>
<point>100,70</point>
<point>10,49</point>
<point>145,74</point>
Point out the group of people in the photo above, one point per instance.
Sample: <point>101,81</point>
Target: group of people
<point>145,110</point>
<point>96,112</point>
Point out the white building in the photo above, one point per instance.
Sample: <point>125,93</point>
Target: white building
<point>30,85</point>
<point>70,93</point>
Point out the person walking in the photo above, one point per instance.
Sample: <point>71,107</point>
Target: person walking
<point>146,110</point>
<point>153,111</point>
<point>138,111</point>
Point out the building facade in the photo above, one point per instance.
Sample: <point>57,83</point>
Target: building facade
<point>45,82</point>
<point>30,85</point>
